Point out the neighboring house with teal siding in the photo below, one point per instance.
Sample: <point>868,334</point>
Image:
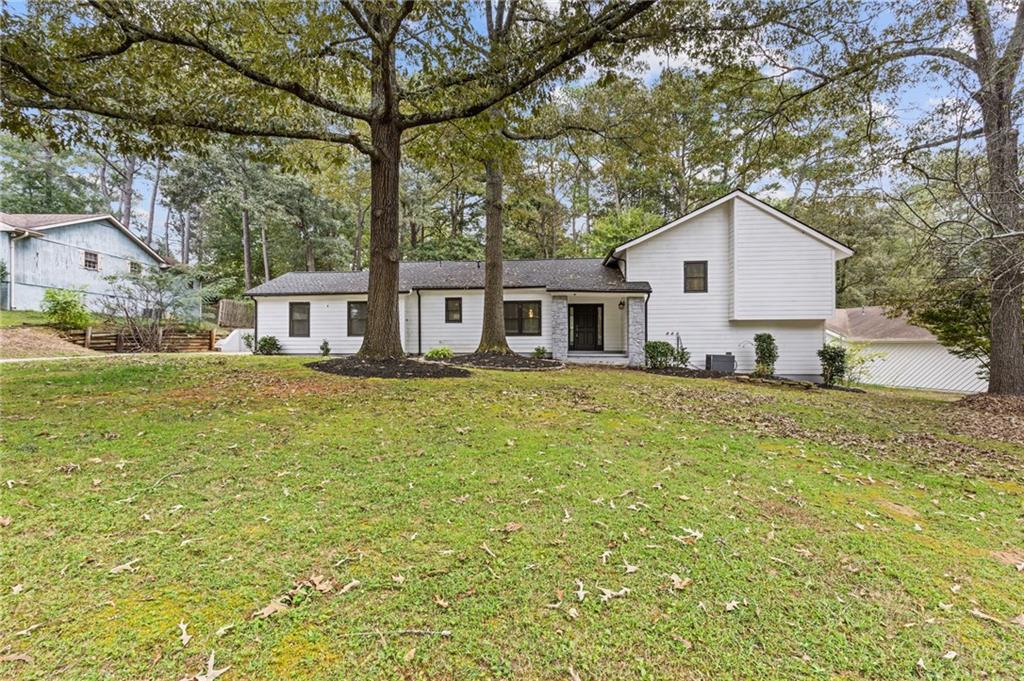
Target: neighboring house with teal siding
<point>44,251</point>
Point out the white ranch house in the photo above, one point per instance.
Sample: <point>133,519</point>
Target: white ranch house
<point>713,278</point>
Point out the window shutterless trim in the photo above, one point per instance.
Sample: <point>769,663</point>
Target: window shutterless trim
<point>293,322</point>
<point>95,266</point>
<point>702,286</point>
<point>453,316</point>
<point>354,305</point>
<point>520,308</point>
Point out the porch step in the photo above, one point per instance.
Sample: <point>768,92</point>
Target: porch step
<point>613,358</point>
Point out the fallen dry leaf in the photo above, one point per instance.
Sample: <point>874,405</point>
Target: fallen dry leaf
<point>5,520</point>
<point>225,629</point>
<point>185,636</point>
<point>731,605</point>
<point>398,579</point>
<point>573,613</point>
<point>440,601</point>
<point>321,583</point>
<point>17,588</point>
<point>608,594</point>
<point>211,673</point>
<point>348,587</point>
<point>580,593</point>
<point>512,527</point>
<point>275,606</point>
<point>680,583</point>
<point>1018,620</point>
<point>16,657</point>
<point>630,569</point>
<point>684,641</point>
<point>409,655</point>
<point>125,567</point>
<point>951,655</point>
<point>985,616</point>
<point>573,676</point>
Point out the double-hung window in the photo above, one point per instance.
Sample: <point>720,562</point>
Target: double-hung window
<point>453,310</point>
<point>298,320</point>
<point>357,318</point>
<point>522,318</point>
<point>695,276</point>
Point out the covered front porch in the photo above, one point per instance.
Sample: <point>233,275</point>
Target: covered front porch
<point>598,328</point>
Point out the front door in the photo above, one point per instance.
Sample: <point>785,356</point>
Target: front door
<point>586,326</point>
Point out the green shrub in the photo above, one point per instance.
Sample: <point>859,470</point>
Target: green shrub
<point>325,348</point>
<point>658,354</point>
<point>435,354</point>
<point>540,352</point>
<point>268,345</point>
<point>766,353</point>
<point>247,339</point>
<point>682,356</point>
<point>65,309</point>
<point>833,363</point>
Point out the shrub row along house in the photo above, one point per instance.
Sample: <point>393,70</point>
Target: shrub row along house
<point>709,281</point>
<point>59,251</point>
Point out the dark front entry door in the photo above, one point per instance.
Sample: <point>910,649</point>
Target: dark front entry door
<point>586,324</point>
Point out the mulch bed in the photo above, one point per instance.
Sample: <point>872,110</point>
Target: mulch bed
<point>391,368</point>
<point>512,362</point>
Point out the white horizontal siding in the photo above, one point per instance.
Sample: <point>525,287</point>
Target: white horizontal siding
<point>328,320</point>
<point>780,272</point>
<point>925,365</point>
<point>702,320</point>
<point>465,336</point>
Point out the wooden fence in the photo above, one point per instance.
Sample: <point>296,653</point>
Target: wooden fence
<point>173,340</point>
<point>235,314</point>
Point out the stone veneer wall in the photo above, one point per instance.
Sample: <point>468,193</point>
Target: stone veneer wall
<point>560,328</point>
<point>636,320</point>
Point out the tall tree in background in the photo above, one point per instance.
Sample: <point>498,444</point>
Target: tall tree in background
<point>358,75</point>
<point>37,179</point>
<point>975,48</point>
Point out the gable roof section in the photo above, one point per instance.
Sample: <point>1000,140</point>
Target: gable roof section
<point>570,274</point>
<point>872,324</point>
<point>38,222</point>
<point>844,250</point>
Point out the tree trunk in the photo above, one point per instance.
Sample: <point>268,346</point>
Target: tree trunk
<point>383,337</point>
<point>266,251</point>
<point>127,188</point>
<point>307,244</point>
<point>246,241</point>
<point>492,336</point>
<point>186,231</point>
<point>152,203</point>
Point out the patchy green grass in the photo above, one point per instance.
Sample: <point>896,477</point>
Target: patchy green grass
<point>9,318</point>
<point>826,534</point>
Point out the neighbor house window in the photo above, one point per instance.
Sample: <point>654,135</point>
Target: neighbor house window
<point>298,320</point>
<point>357,319</point>
<point>92,261</point>
<point>522,318</point>
<point>453,310</point>
<point>695,276</point>
<point>135,268</point>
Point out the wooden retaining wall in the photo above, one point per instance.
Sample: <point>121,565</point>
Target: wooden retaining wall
<point>174,340</point>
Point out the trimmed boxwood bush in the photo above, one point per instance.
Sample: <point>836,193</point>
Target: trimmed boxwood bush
<point>833,363</point>
<point>325,348</point>
<point>540,352</point>
<point>268,345</point>
<point>436,354</point>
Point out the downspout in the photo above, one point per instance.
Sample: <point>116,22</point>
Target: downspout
<point>646,318</point>
<point>419,323</point>
<point>255,323</point>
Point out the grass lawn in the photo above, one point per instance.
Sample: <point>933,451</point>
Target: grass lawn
<point>811,534</point>
<point>9,318</point>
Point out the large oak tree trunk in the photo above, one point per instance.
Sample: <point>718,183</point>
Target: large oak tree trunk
<point>492,336</point>
<point>383,337</point>
<point>1006,359</point>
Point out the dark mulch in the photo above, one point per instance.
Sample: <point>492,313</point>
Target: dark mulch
<point>686,372</point>
<point>391,368</point>
<point>512,362</point>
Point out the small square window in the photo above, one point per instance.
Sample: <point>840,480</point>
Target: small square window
<point>298,320</point>
<point>695,276</point>
<point>357,319</point>
<point>135,268</point>
<point>453,310</point>
<point>92,261</point>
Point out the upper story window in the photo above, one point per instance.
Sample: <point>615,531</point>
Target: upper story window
<point>298,320</point>
<point>695,276</point>
<point>453,310</point>
<point>357,319</point>
<point>91,261</point>
<point>522,318</point>
<point>135,267</point>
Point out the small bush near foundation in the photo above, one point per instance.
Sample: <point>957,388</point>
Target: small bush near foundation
<point>268,345</point>
<point>435,354</point>
<point>833,363</point>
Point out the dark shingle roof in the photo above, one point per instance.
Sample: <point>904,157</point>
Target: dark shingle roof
<point>577,274</point>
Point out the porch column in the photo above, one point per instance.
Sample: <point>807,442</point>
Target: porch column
<point>636,327</point>
<point>560,328</point>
